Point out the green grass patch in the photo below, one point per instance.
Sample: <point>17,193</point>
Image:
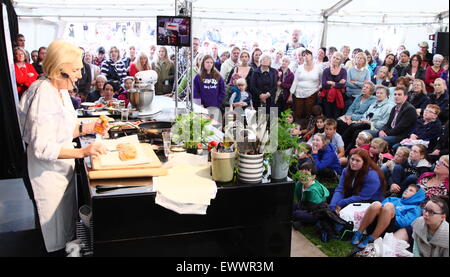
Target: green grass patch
<point>333,248</point>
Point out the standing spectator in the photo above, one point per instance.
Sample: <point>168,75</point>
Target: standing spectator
<point>403,62</point>
<point>195,47</point>
<point>285,80</point>
<point>433,72</point>
<point>34,55</point>
<point>294,44</point>
<point>263,84</point>
<point>331,51</point>
<point>345,50</point>
<point>322,58</point>
<point>223,57</point>
<point>428,57</point>
<point>418,96</point>
<point>209,86</point>
<point>298,59</point>
<point>100,58</point>
<point>95,70</point>
<point>430,231</point>
<point>276,59</point>
<point>356,76</point>
<point>132,57</point>
<point>414,70</point>
<point>334,79</point>
<point>361,181</point>
<point>233,61</point>
<point>42,52</point>
<point>152,58</point>
<point>402,119</point>
<point>141,64</point>
<point>307,83</point>
<point>242,70</point>
<point>25,72</point>
<point>166,72</point>
<point>255,60</point>
<point>195,69</point>
<point>113,68</point>
<point>215,52</point>
<point>20,42</point>
<point>83,85</point>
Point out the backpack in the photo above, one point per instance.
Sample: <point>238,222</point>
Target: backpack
<point>329,220</point>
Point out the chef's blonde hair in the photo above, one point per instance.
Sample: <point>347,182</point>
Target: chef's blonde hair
<point>62,56</point>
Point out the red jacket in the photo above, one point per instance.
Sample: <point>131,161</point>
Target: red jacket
<point>334,95</point>
<point>430,76</point>
<point>23,80</point>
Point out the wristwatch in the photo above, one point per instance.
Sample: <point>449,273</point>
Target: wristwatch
<point>80,129</point>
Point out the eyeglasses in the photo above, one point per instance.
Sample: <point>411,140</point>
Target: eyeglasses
<point>441,163</point>
<point>429,111</point>
<point>429,212</point>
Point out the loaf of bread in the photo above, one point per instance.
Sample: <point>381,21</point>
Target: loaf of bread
<point>127,151</point>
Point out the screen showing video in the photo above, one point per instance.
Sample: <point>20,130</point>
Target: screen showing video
<point>173,30</point>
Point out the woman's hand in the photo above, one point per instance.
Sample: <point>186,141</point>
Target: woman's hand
<point>338,209</point>
<point>395,188</point>
<point>95,149</point>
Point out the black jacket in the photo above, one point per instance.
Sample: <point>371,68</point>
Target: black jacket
<point>419,100</point>
<point>405,122</point>
<point>420,74</point>
<point>84,84</point>
<point>262,82</point>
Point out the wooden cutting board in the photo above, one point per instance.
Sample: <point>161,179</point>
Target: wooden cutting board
<point>126,173</point>
<point>146,150</point>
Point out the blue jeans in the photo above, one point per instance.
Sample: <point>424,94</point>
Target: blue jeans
<point>391,140</point>
<point>303,216</point>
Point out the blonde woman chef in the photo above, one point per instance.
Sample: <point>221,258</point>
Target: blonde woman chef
<point>49,125</point>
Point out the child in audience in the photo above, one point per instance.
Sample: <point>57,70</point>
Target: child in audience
<point>241,98</point>
<point>319,127</point>
<point>396,165</point>
<point>335,139</point>
<point>390,215</point>
<point>308,124</point>
<point>310,195</point>
<point>416,165</point>
<point>362,141</point>
<point>379,151</point>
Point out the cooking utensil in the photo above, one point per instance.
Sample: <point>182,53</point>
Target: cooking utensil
<point>100,188</point>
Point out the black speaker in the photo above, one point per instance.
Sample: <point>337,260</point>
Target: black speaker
<point>440,44</point>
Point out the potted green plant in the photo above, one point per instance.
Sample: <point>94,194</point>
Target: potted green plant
<point>191,130</point>
<point>283,158</point>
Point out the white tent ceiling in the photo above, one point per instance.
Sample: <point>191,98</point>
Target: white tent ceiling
<point>354,12</point>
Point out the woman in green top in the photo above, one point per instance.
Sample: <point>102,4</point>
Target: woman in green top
<point>183,84</point>
<point>309,193</point>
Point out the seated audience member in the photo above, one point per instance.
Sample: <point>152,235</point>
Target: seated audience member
<point>433,72</point>
<point>374,118</point>
<point>427,128</point>
<point>403,62</point>
<point>394,168</point>
<point>441,147</point>
<point>436,183</point>
<point>325,157</point>
<point>379,151</point>
<point>94,95</point>
<point>361,181</point>
<point>241,98</point>
<point>417,165</point>
<point>25,72</point>
<point>335,139</point>
<point>401,119</point>
<point>319,127</point>
<point>371,63</point>
<point>382,77</point>
<point>430,231</point>
<point>357,109</point>
<point>307,125</point>
<point>310,194</point>
<point>127,85</point>
<point>440,98</point>
<point>390,215</point>
<point>110,89</point>
<point>418,96</point>
<point>389,62</point>
<point>362,142</point>
<point>414,70</point>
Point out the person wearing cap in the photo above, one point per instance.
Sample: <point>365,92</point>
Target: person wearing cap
<point>424,48</point>
<point>100,56</point>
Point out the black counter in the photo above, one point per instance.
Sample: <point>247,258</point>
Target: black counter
<point>242,221</point>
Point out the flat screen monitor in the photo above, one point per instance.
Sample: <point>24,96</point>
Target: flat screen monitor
<point>173,31</point>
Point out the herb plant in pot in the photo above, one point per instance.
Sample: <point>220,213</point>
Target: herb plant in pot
<point>283,158</point>
<point>191,130</point>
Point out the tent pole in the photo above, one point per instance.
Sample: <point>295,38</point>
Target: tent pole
<point>323,41</point>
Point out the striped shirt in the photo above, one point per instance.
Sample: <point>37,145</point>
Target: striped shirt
<point>113,70</point>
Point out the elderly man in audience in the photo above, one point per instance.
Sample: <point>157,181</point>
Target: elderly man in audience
<point>229,64</point>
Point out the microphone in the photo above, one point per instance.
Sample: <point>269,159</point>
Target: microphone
<point>65,75</point>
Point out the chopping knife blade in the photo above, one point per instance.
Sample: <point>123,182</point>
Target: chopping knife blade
<point>101,188</point>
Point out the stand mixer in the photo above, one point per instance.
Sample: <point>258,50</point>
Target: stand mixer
<point>143,93</point>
